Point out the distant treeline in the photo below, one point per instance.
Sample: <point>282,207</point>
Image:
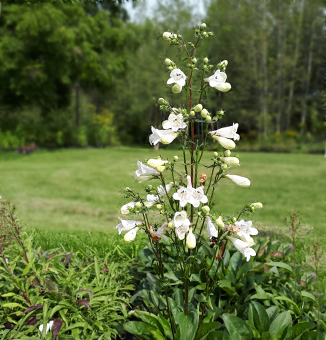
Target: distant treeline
<point>83,74</point>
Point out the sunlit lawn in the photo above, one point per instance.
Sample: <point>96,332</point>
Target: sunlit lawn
<point>80,189</point>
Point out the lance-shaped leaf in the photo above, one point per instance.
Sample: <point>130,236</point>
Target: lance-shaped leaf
<point>33,307</point>
<point>85,303</point>
<point>57,323</point>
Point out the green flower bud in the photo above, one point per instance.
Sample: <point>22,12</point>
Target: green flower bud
<point>256,205</point>
<point>223,63</point>
<point>175,158</point>
<point>206,60</point>
<point>199,214</point>
<point>162,101</point>
<point>198,108</point>
<point>176,88</point>
<point>227,153</point>
<point>224,166</point>
<point>194,60</point>
<point>208,118</point>
<point>171,225</point>
<point>159,207</point>
<point>205,209</point>
<point>203,26</point>
<point>233,219</point>
<point>205,35</point>
<point>127,189</point>
<point>167,35</point>
<point>168,61</point>
<point>170,68</point>
<point>192,113</point>
<point>138,205</point>
<point>219,222</point>
<point>215,154</point>
<point>204,113</point>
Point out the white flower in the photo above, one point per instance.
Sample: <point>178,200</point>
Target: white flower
<point>124,209</point>
<point>228,132</point>
<point>167,35</point>
<point>223,87</point>
<point>243,247</point>
<point>245,229</point>
<point>174,122</point>
<point>161,192</point>
<point>217,79</point>
<point>163,136</point>
<point>199,196</point>
<point>225,142</point>
<point>178,77</point>
<point>160,230</point>
<point>144,173</point>
<point>157,164</point>
<point>182,230</point>
<point>219,222</point>
<point>212,232</point>
<point>242,181</point>
<point>191,240</point>
<point>230,161</point>
<point>49,327</point>
<point>130,236</point>
<point>185,195</point>
<point>126,225</point>
<point>180,217</point>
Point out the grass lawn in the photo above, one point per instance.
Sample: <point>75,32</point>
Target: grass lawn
<point>81,189</point>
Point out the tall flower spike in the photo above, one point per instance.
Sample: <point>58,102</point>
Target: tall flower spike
<point>212,232</point>
<point>243,247</point>
<point>178,77</point>
<point>239,180</point>
<point>163,136</point>
<point>144,173</point>
<point>185,195</point>
<point>227,132</point>
<point>126,225</point>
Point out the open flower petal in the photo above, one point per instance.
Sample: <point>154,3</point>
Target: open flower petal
<point>228,132</point>
<point>126,225</point>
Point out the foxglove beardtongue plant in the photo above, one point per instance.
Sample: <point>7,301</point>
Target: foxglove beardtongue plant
<point>183,199</point>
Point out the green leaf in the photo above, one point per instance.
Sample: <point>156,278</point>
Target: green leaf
<point>298,329</point>
<point>140,328</point>
<point>272,312</point>
<point>207,328</point>
<point>281,265</point>
<point>188,324</point>
<point>227,286</point>
<point>97,270</point>
<point>286,299</point>
<point>235,262</point>
<point>8,294</point>
<point>283,319</point>
<point>13,305</point>
<point>237,328</point>
<point>219,336</point>
<point>28,267</point>
<point>310,297</point>
<point>165,325</point>
<point>150,319</point>
<point>259,316</point>
<point>244,269</point>
<point>312,336</point>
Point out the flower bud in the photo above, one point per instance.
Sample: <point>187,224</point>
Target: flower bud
<point>168,61</point>
<point>192,113</point>
<point>194,60</point>
<point>171,225</point>
<point>198,108</point>
<point>230,161</point>
<point>205,60</point>
<point>138,205</point>
<point>205,35</point>
<point>223,63</point>
<point>162,101</point>
<point>226,89</point>
<point>175,158</point>
<point>130,236</point>
<point>227,153</point>
<point>160,168</point>
<point>219,222</point>
<point>215,154</point>
<point>191,240</point>
<point>239,180</point>
<point>233,219</point>
<point>224,166</point>
<point>127,189</point>
<point>225,142</point>
<point>205,209</point>
<point>204,113</point>
<point>176,88</point>
<point>167,35</point>
<point>158,206</point>
<point>256,205</point>
<point>208,118</point>
<point>199,214</point>
<point>203,26</point>
<point>170,68</point>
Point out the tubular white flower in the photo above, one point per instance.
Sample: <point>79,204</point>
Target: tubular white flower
<point>182,230</point>
<point>239,180</point>
<point>160,230</point>
<point>131,235</point>
<point>217,79</point>
<point>219,222</point>
<point>174,122</point>
<point>163,136</point>
<point>49,327</point>
<point>185,195</point>
<point>199,196</point>
<point>161,192</point>
<point>144,173</point>
<point>245,229</point>
<point>126,225</point>
<point>149,204</point>
<point>228,132</point>
<point>230,161</point>
<point>191,240</point>
<point>212,232</point>
<point>180,217</point>
<point>242,247</point>
<point>124,209</point>
<point>223,87</point>
<point>225,142</point>
<point>178,77</point>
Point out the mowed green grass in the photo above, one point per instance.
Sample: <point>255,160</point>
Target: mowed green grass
<point>82,189</point>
